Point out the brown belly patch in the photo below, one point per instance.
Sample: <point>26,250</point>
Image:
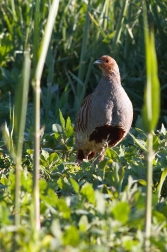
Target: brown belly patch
<point>109,133</point>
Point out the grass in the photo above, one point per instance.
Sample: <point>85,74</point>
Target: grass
<point>150,116</point>
<point>81,208</point>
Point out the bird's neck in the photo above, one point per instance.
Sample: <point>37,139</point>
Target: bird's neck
<point>112,75</point>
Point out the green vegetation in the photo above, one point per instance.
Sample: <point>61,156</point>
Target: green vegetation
<point>119,205</point>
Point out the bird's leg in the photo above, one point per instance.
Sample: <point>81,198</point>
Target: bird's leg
<point>100,156</point>
<point>91,155</point>
<point>84,154</point>
<point>80,157</point>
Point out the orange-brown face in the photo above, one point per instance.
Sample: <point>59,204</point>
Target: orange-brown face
<point>107,64</point>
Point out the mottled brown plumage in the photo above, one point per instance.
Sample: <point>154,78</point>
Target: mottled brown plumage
<point>105,116</point>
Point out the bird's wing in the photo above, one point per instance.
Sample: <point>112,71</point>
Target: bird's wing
<point>83,115</point>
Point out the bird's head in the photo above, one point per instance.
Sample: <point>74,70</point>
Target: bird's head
<point>107,64</point>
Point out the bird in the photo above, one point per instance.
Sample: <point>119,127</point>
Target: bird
<point>105,116</point>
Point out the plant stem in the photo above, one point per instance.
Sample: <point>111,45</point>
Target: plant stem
<point>36,86</point>
<point>126,51</point>
<point>17,201</point>
<point>120,22</point>
<point>17,192</point>
<point>36,36</point>
<point>149,194</point>
<point>36,94</point>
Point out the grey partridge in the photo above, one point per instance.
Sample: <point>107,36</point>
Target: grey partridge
<point>105,116</point>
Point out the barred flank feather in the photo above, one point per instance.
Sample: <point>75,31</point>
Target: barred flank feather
<point>83,115</point>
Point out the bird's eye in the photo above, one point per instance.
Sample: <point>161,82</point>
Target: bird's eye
<point>107,61</point>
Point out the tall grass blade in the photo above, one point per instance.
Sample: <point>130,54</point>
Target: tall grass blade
<point>36,86</point>
<point>50,63</point>
<point>162,180</point>
<point>120,22</point>
<point>105,12</point>
<point>151,108</point>
<point>46,38</point>
<point>20,108</point>
<point>83,52</point>
<point>36,35</point>
<point>13,10</point>
<point>150,115</point>
<point>14,140</point>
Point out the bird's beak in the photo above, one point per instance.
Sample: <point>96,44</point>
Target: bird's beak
<point>97,62</point>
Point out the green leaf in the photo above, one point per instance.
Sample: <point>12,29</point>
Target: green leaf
<point>8,140</point>
<point>56,229</point>
<point>138,142</point>
<point>53,157</point>
<point>151,107</point>
<point>64,209</point>
<point>121,212</point>
<point>109,37</point>
<point>74,185</point>
<point>156,142</point>
<point>163,130</point>
<point>129,243</point>
<point>29,151</point>
<point>100,202</point>
<point>88,192</point>
<point>142,182</point>
<point>111,154</point>
<point>49,198</point>
<point>44,154</point>
<point>97,25</point>
<point>160,217</point>
<point>83,223</point>
<point>162,179</point>
<point>56,128</point>
<point>62,119</point>
<point>68,123</point>
<point>69,129</point>
<point>42,184</point>
<point>71,236</point>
